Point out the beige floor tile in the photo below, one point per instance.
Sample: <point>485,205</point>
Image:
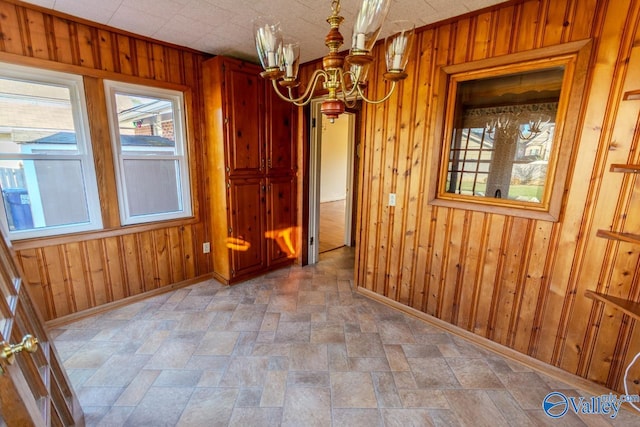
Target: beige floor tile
<point>246,372</point>
<point>293,332</point>
<point>395,333</point>
<point>216,343</point>
<point>307,407</point>
<point>406,417</point>
<point>356,418</point>
<point>116,416</point>
<point>137,388</point>
<point>308,357</point>
<point>421,398</point>
<point>295,347</point>
<point>352,390</point>
<point>323,333</point>
<point>474,373</point>
<point>369,364</point>
<point>511,410</point>
<point>160,406</point>
<point>433,373</point>
<point>308,379</point>
<point>396,358</point>
<point>364,345</point>
<point>274,389</point>
<point>466,403</point>
<point>263,417</point>
<point>118,371</point>
<point>172,355</point>
<point>178,378</point>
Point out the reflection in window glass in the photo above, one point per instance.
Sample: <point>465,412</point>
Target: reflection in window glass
<point>149,143</point>
<point>46,170</point>
<point>502,140</point>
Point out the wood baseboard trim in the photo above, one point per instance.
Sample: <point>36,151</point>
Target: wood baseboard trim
<point>73,317</point>
<point>535,364</point>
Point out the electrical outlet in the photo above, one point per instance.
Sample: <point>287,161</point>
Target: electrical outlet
<point>206,247</point>
<point>392,199</point>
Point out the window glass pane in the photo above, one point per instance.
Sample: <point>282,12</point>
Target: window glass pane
<point>149,144</point>
<point>508,123</point>
<point>43,193</point>
<point>145,124</point>
<point>35,117</point>
<point>47,178</point>
<point>152,186</point>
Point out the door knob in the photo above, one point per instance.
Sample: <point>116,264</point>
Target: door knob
<point>7,351</point>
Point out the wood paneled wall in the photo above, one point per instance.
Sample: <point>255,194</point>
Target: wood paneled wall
<point>518,282</point>
<point>68,275</point>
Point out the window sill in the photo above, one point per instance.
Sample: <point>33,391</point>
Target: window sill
<point>493,207</point>
<point>33,243</point>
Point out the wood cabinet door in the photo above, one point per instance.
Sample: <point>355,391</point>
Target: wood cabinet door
<point>244,118</point>
<point>281,217</point>
<point>281,144</point>
<point>34,389</point>
<point>247,223</point>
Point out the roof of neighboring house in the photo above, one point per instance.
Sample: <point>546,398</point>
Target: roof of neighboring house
<point>126,140</point>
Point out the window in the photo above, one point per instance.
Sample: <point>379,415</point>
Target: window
<point>46,165</point>
<point>148,135</point>
<point>509,125</point>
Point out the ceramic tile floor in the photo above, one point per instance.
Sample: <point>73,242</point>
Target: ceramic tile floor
<point>294,348</point>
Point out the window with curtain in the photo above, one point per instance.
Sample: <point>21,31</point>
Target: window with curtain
<point>506,129</point>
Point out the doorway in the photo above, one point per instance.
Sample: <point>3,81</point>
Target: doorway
<point>331,181</point>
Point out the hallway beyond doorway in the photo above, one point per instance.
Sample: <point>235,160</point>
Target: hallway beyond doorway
<point>331,235</point>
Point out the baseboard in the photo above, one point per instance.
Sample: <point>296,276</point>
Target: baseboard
<point>73,317</point>
<point>535,364</point>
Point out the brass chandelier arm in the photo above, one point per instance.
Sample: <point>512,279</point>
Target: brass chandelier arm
<point>379,101</point>
<point>348,92</point>
<point>305,98</point>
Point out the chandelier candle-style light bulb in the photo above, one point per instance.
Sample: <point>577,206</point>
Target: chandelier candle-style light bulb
<point>344,79</point>
<point>268,42</point>
<point>397,45</point>
<point>290,59</point>
<point>368,23</point>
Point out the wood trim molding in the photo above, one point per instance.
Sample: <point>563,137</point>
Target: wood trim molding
<point>62,15</point>
<point>528,361</point>
<point>575,57</point>
<point>64,320</point>
<point>12,58</point>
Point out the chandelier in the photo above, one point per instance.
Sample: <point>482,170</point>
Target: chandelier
<point>509,127</point>
<point>344,78</point>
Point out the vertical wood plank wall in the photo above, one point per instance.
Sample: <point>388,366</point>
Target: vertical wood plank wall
<point>519,282</point>
<point>104,267</point>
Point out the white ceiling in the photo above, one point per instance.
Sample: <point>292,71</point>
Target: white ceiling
<point>224,27</point>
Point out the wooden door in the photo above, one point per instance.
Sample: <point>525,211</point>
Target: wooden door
<point>281,217</point>
<point>34,389</point>
<point>244,118</point>
<point>281,143</point>
<point>247,223</point>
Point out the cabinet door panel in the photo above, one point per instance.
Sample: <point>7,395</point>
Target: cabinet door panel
<point>246,243</point>
<point>281,216</point>
<point>245,117</point>
<point>281,154</point>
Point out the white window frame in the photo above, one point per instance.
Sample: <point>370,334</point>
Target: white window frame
<point>181,152</point>
<point>84,153</point>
